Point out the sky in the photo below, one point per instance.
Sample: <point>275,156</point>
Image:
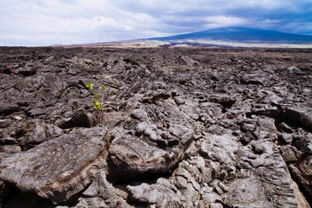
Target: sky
<point>49,22</point>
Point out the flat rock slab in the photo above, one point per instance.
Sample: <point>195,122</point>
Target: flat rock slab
<point>58,168</point>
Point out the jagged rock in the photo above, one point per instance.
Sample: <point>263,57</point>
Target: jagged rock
<point>258,78</point>
<point>196,171</point>
<point>225,100</point>
<point>247,192</point>
<point>42,132</point>
<point>10,148</point>
<point>294,70</point>
<point>302,173</point>
<point>286,138</point>
<point>289,153</point>
<point>162,194</point>
<point>299,116</point>
<point>185,128</point>
<point>211,197</point>
<point>58,168</point>
<point>274,176</point>
<point>8,108</point>
<point>301,200</point>
<point>8,140</point>
<point>29,133</point>
<point>156,148</point>
<point>139,114</point>
<point>216,205</point>
<point>79,119</point>
<point>28,70</point>
<point>304,143</point>
<point>101,194</point>
<point>192,178</point>
<point>220,148</point>
<point>285,128</point>
<point>130,156</point>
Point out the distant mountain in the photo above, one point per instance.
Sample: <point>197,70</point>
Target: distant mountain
<point>241,34</point>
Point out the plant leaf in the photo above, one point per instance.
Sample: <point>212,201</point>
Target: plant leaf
<point>98,105</point>
<point>97,96</point>
<point>90,85</point>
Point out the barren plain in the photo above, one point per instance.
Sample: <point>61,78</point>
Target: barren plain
<point>180,127</point>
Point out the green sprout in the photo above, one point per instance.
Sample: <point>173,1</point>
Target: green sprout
<point>97,96</point>
<point>98,105</point>
<point>90,86</point>
<point>102,87</point>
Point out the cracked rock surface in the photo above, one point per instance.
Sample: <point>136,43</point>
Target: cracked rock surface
<point>180,128</point>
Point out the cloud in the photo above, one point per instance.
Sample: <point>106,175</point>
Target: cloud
<point>47,22</point>
<point>224,21</point>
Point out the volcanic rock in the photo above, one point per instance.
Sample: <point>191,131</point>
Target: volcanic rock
<point>58,168</point>
<point>180,127</point>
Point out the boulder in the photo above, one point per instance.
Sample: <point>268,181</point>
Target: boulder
<point>58,168</point>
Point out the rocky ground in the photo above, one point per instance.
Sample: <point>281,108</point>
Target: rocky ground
<point>180,128</point>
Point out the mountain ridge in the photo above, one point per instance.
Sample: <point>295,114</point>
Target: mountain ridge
<point>240,34</point>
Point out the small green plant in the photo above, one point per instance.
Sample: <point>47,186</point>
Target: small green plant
<point>97,96</point>
<point>90,86</point>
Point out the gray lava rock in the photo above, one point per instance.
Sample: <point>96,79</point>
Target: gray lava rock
<point>248,192</point>
<point>225,100</point>
<point>300,115</point>
<point>184,128</point>
<point>100,194</point>
<point>162,194</point>
<point>131,156</point>
<point>28,70</point>
<point>58,168</point>
<point>257,78</point>
<point>156,148</point>
<point>139,114</point>
<point>43,132</point>
<point>294,70</point>
<point>79,119</point>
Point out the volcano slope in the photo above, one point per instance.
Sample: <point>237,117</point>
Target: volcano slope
<point>180,128</point>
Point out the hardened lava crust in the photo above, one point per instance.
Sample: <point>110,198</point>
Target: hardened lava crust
<point>178,127</point>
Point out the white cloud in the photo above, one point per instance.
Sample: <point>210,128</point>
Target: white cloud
<point>224,21</point>
<point>56,21</point>
<point>46,22</point>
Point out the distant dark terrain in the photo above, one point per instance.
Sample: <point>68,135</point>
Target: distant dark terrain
<point>230,37</point>
<point>241,34</point>
<point>180,127</point>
